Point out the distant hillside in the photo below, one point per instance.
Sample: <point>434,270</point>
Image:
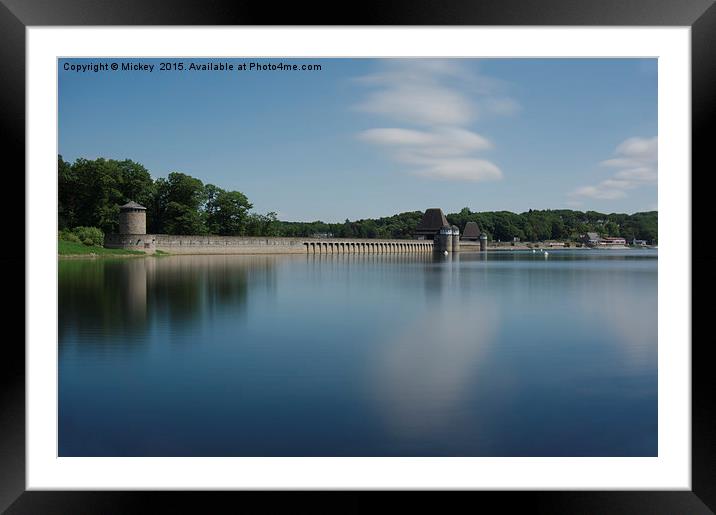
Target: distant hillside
<point>533,225</point>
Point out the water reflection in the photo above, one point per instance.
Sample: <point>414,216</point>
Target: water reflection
<point>504,334</point>
<point>116,302</point>
<point>472,354</point>
<point>426,369</point>
<point>104,299</point>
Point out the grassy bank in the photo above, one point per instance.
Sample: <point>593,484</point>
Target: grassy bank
<point>70,248</point>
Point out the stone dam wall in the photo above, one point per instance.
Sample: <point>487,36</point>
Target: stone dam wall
<point>150,243</point>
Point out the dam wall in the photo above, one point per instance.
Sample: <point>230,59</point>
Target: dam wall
<point>172,244</point>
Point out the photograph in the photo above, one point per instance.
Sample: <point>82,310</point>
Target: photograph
<point>308,256</point>
<point>357,257</point>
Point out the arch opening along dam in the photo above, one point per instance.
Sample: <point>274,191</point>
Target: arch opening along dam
<point>352,246</point>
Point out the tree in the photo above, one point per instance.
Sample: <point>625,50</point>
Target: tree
<point>68,189</point>
<point>559,231</point>
<point>178,202</point>
<point>91,191</point>
<point>611,228</point>
<point>263,225</point>
<point>347,229</point>
<point>226,211</point>
<point>135,182</point>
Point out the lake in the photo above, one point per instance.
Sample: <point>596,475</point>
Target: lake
<point>477,354</point>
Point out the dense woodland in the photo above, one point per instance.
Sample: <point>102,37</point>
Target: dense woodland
<point>91,191</point>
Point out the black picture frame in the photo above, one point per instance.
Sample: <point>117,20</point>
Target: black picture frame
<point>16,15</point>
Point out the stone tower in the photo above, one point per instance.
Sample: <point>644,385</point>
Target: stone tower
<point>455,243</point>
<point>443,239</point>
<point>132,219</point>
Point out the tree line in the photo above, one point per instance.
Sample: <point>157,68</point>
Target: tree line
<point>533,225</point>
<point>91,191</point>
<point>560,224</point>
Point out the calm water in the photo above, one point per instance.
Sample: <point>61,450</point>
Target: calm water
<point>504,354</point>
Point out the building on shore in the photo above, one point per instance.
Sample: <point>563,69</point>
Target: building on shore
<point>638,243</point>
<point>591,239</point>
<point>433,220</point>
<point>612,242</point>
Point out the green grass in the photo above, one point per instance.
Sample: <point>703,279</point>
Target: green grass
<point>70,248</point>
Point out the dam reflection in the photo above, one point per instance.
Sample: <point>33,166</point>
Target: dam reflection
<point>117,302</point>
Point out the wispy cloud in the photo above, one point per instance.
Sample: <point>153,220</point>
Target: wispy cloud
<point>450,140</point>
<point>635,165</point>
<point>437,99</point>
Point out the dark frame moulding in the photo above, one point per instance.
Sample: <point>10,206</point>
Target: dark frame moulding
<point>16,15</point>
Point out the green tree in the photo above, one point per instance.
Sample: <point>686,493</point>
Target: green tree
<point>347,229</point>
<point>68,190</point>
<point>91,191</point>
<point>226,211</point>
<point>178,205</point>
<point>611,228</point>
<point>263,225</point>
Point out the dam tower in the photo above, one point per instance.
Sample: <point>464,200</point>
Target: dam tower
<point>132,218</point>
<point>433,220</point>
<point>443,239</point>
<point>455,238</point>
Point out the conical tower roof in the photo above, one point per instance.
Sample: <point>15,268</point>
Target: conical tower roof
<point>433,220</point>
<point>132,205</point>
<point>472,230</point>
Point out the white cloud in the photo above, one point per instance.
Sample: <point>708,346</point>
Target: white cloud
<point>637,174</point>
<point>600,191</point>
<point>453,139</point>
<point>438,98</point>
<point>501,105</point>
<point>467,169</point>
<point>636,163</point>
<point>423,104</point>
<point>639,148</point>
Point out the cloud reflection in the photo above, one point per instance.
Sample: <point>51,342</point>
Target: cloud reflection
<point>427,369</point>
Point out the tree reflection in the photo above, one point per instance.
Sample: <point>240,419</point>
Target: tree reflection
<point>116,302</point>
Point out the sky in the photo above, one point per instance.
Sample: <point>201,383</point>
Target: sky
<point>365,138</point>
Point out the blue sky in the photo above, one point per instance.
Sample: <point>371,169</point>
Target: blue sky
<point>364,138</point>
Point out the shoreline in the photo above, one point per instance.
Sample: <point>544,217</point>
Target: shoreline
<point>103,256</point>
<point>251,252</point>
